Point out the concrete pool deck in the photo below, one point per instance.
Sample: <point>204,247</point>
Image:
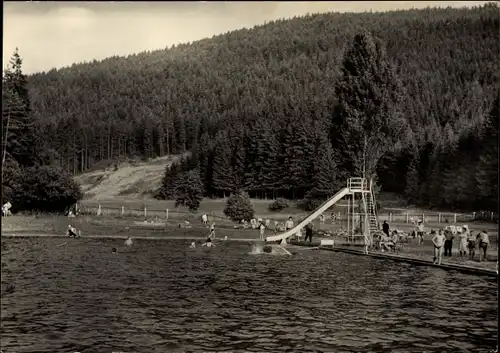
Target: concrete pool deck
<point>402,258</point>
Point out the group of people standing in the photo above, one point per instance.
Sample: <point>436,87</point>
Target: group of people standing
<point>443,242</point>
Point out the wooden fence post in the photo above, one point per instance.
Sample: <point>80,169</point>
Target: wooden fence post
<point>167,213</point>
<point>407,218</point>
<point>439,218</point>
<point>423,218</point>
<point>454,218</point>
<point>145,212</point>
<point>99,210</point>
<point>492,215</point>
<point>390,217</point>
<point>123,210</point>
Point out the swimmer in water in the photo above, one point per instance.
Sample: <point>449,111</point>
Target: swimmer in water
<point>193,245</point>
<point>209,243</point>
<point>129,242</point>
<point>113,250</point>
<point>212,231</point>
<point>72,232</point>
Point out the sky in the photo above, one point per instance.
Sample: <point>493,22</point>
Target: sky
<point>57,34</point>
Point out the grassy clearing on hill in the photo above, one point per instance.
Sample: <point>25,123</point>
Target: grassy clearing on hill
<point>135,179</point>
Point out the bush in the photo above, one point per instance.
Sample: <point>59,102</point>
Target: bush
<point>45,188</point>
<point>309,204</point>
<point>189,190</point>
<point>238,207</point>
<point>278,205</point>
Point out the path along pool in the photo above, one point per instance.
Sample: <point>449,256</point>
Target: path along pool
<point>68,295</point>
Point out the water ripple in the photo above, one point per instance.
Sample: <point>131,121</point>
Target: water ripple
<point>162,297</point>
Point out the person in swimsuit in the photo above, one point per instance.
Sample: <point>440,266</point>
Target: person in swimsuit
<point>212,231</point>
<point>448,243</point>
<point>420,232</point>
<point>209,243</point>
<point>128,242</point>
<point>72,232</point>
<point>438,241</point>
<point>262,228</point>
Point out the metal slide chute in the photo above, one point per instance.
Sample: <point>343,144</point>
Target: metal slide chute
<point>326,205</point>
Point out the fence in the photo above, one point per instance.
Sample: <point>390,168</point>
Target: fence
<point>178,214</point>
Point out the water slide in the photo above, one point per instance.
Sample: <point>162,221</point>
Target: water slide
<point>311,217</point>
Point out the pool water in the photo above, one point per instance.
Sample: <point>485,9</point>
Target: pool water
<point>68,295</point>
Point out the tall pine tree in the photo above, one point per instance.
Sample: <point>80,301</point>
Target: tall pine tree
<point>487,169</point>
<point>22,140</point>
<point>325,180</point>
<point>223,176</point>
<point>368,119</point>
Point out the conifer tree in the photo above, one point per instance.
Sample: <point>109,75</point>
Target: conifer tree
<point>189,190</point>
<point>22,141</point>
<point>368,118</point>
<point>486,172</point>
<point>223,175</point>
<point>325,180</point>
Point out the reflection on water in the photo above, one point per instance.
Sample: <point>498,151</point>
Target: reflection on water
<point>160,296</point>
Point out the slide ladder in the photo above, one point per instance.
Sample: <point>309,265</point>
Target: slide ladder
<point>372,213</point>
<point>326,205</point>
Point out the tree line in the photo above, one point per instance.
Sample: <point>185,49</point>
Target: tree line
<point>290,108</point>
<point>31,178</point>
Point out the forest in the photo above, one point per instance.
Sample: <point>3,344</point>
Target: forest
<point>294,107</point>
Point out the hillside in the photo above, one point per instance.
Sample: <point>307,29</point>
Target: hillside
<point>276,109</point>
<point>140,179</point>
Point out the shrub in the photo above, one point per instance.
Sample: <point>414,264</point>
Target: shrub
<point>309,204</point>
<point>238,207</point>
<point>45,188</point>
<point>278,205</point>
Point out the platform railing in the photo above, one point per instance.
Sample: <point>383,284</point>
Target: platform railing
<point>358,184</point>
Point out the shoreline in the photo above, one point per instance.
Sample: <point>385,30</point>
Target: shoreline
<point>483,271</point>
<point>118,236</point>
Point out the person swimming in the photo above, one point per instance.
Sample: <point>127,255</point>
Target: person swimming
<point>72,232</point>
<point>208,243</point>
<point>212,231</point>
<point>193,245</point>
<point>129,242</point>
<point>113,250</point>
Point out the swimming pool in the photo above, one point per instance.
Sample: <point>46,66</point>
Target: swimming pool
<point>160,296</point>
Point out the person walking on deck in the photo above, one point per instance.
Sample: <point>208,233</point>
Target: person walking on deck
<point>385,228</point>
<point>484,241</point>
<point>448,243</point>
<point>438,240</point>
<point>309,233</point>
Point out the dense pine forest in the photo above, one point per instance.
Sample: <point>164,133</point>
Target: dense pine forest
<point>294,107</point>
